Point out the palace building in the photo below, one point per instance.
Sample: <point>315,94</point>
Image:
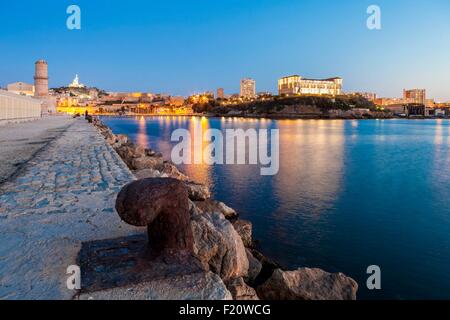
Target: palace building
<point>298,85</point>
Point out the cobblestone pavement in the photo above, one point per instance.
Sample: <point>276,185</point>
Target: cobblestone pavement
<point>20,141</point>
<point>62,197</point>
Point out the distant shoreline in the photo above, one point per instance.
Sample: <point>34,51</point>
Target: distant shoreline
<point>269,117</point>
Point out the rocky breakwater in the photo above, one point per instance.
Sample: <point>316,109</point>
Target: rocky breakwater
<point>185,224</point>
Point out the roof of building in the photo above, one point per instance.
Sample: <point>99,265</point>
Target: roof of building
<point>294,75</point>
<point>328,79</point>
<point>311,79</point>
<point>19,83</point>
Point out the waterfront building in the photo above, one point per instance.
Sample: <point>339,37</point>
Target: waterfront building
<point>368,95</point>
<point>397,109</point>
<point>22,88</point>
<point>15,107</point>
<point>176,101</point>
<point>389,101</point>
<point>248,88</point>
<point>415,96</point>
<point>220,93</point>
<point>430,103</point>
<point>417,110</point>
<point>296,84</point>
<point>76,83</point>
<point>439,113</point>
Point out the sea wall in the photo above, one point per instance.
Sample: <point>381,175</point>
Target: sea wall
<point>222,242</point>
<point>16,108</point>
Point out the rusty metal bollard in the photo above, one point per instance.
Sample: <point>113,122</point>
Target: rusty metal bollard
<point>162,205</point>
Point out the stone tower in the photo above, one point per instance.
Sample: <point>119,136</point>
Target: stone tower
<point>41,79</point>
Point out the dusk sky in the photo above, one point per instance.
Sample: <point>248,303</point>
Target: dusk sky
<point>183,47</point>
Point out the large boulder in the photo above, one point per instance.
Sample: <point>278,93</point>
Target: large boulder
<point>126,152</point>
<point>241,291</point>
<point>197,191</point>
<point>244,229</point>
<point>172,171</point>
<point>109,136</point>
<point>254,267</point>
<point>139,151</point>
<point>121,139</point>
<point>308,284</point>
<point>217,245</point>
<point>210,205</point>
<point>148,173</point>
<point>146,163</point>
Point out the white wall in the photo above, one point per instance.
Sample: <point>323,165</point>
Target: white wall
<point>16,108</point>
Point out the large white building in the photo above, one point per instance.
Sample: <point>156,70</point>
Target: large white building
<point>298,85</point>
<point>248,88</point>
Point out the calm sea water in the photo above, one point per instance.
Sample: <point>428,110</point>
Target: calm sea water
<point>349,194</point>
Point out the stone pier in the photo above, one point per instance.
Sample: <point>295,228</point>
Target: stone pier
<point>61,197</point>
<point>58,210</point>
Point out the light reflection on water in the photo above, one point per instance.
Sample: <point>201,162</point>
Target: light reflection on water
<point>349,194</point>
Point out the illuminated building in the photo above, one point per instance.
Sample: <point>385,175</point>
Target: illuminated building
<point>415,95</point>
<point>220,93</point>
<point>176,101</point>
<point>368,95</point>
<point>248,88</point>
<point>297,85</point>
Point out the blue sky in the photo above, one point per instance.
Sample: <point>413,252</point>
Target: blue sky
<point>182,47</point>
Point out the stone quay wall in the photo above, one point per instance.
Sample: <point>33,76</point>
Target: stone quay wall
<point>17,108</point>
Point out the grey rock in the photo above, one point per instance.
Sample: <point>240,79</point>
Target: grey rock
<point>146,163</point>
<point>308,284</point>
<point>139,151</point>
<point>148,173</point>
<point>172,171</point>
<point>211,205</point>
<point>241,291</point>
<point>126,152</point>
<point>244,229</point>
<point>197,191</point>
<point>254,267</point>
<point>122,139</point>
<point>217,245</point>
